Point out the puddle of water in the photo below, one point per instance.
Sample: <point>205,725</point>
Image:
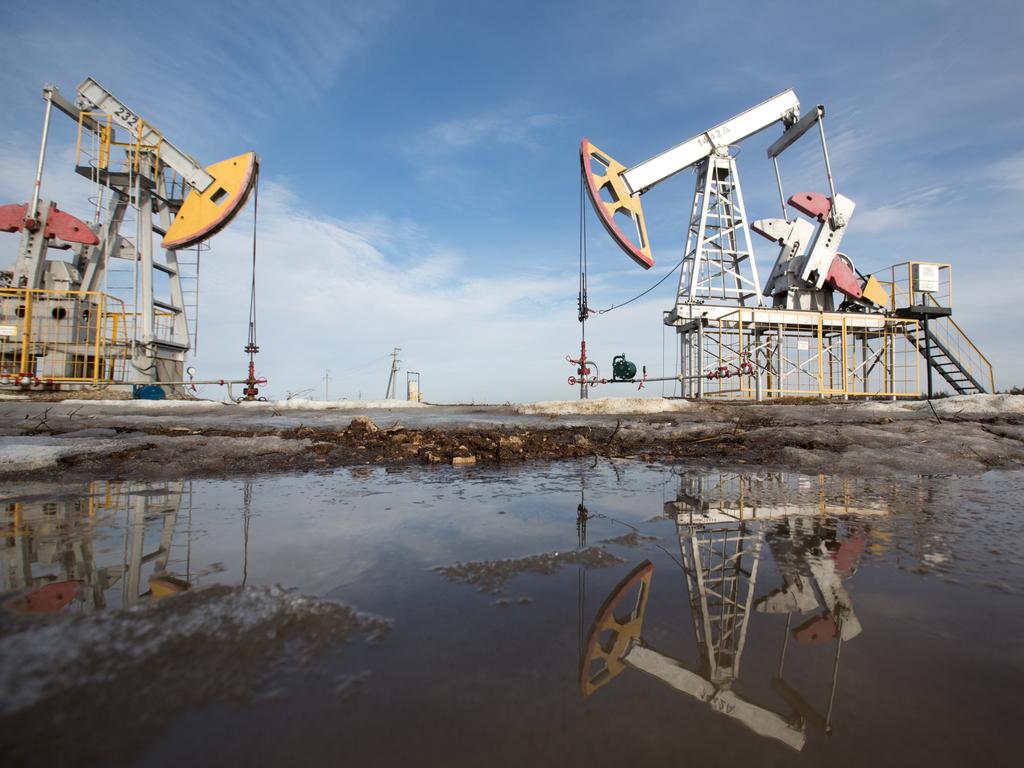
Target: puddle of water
<point>544,615</point>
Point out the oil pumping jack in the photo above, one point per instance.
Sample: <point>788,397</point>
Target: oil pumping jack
<point>169,194</point>
<point>719,271</point>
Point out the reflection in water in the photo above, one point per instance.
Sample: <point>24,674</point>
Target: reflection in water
<point>50,558</point>
<point>246,518</point>
<point>774,637</point>
<point>52,562</point>
<point>88,686</point>
<point>723,522</point>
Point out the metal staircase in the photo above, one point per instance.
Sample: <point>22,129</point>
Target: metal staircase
<point>952,355</point>
<point>923,291</point>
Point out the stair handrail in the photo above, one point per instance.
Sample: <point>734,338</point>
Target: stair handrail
<point>954,344</point>
<point>978,352</point>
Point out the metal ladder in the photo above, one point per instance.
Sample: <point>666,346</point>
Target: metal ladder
<point>170,334</point>
<point>953,356</point>
<point>189,261</point>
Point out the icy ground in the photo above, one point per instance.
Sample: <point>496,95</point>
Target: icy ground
<point>70,440</point>
<point>604,405</point>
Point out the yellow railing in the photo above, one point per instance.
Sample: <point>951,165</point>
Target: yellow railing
<point>826,355</point>
<point>105,132</point>
<point>801,354</point>
<point>904,289</point>
<point>50,336</point>
<point>963,350</point>
<point>163,324</point>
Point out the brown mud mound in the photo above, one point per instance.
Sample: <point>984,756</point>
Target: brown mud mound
<point>631,540</point>
<point>492,575</point>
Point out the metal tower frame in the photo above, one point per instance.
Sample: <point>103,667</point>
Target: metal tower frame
<point>719,264</point>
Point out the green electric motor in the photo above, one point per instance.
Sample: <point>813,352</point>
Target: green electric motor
<point>622,369</point>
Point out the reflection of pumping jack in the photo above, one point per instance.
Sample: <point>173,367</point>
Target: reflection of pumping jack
<point>51,561</point>
<point>52,558</point>
<point>721,551</point>
<point>720,604</point>
<point>809,556</point>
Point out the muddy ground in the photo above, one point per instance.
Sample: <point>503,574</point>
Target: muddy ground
<point>76,441</point>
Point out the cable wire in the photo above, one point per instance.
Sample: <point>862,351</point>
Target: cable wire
<point>252,292</point>
<point>584,310</point>
<point>641,295</point>
<point>581,301</point>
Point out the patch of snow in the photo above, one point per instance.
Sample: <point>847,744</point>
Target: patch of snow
<point>301,404</point>
<point>24,454</point>
<point>43,658</point>
<point>970,405</point>
<point>148,405</point>
<point>604,405</point>
<point>884,406</point>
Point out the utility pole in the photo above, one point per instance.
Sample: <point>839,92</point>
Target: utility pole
<point>393,376</point>
<point>327,383</point>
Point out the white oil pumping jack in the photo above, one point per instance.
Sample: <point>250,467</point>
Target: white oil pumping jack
<point>733,341</point>
<point>809,265</point>
<point>719,265</point>
<point>156,190</point>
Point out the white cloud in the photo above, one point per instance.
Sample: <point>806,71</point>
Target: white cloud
<point>905,212</point>
<point>505,127</point>
<point>987,309</point>
<point>254,61</point>
<point>333,296</point>
<point>1007,173</point>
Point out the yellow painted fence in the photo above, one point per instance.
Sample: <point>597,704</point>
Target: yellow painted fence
<point>54,337</point>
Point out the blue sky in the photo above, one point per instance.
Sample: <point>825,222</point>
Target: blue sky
<point>420,185</point>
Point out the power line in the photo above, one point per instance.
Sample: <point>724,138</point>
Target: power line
<point>584,310</point>
<point>641,295</point>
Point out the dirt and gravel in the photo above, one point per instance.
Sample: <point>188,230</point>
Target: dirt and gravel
<point>72,441</point>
